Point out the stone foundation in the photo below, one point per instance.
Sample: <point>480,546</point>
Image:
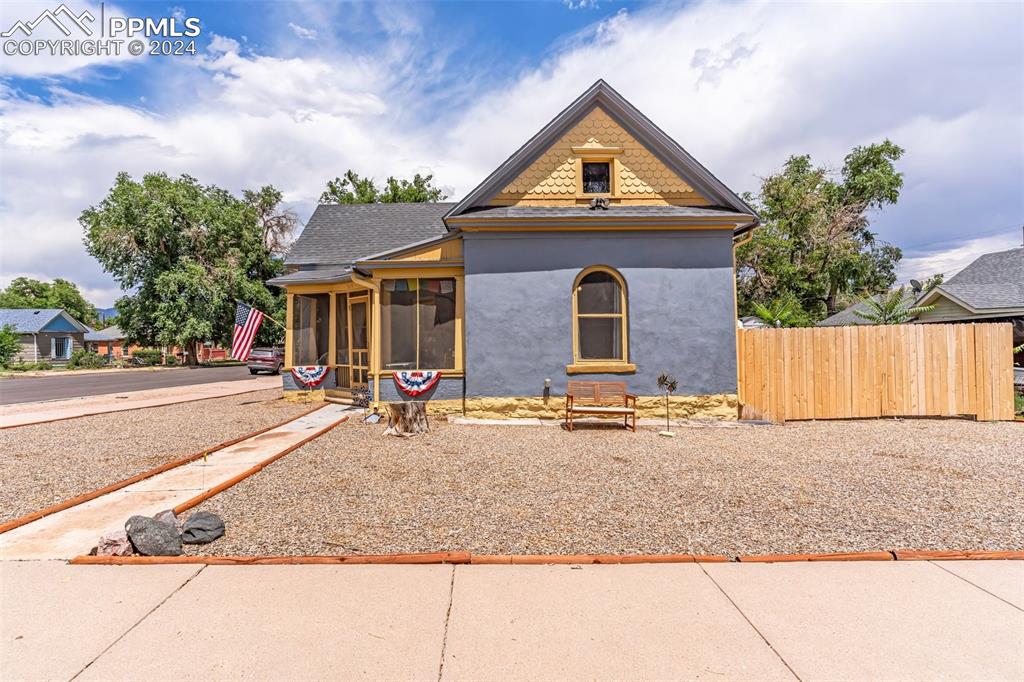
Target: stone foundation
<point>724,407</point>
<point>304,396</point>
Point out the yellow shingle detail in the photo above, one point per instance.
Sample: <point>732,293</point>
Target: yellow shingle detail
<point>640,176</point>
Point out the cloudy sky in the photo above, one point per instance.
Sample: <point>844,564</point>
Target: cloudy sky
<point>292,94</point>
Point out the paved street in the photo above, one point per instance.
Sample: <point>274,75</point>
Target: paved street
<point>31,389</point>
<point>807,621</point>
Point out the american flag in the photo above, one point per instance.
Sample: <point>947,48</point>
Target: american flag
<point>247,323</point>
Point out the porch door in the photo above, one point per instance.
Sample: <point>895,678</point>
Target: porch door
<point>359,340</point>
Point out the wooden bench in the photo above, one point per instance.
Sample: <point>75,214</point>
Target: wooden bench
<point>607,398</point>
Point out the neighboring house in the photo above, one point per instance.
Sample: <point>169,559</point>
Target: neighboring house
<point>111,342</point>
<point>991,289</point>
<point>529,282</point>
<point>49,334</point>
<point>108,342</point>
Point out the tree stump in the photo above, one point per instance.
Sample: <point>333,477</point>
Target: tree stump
<point>407,418</point>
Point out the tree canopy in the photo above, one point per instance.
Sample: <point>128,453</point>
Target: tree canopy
<point>354,189</point>
<point>185,252</point>
<point>25,292</point>
<point>815,244</point>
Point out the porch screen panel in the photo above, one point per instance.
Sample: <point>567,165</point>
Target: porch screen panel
<point>418,323</point>
<point>341,330</point>
<point>342,377</point>
<point>437,324</point>
<point>398,325</point>
<point>310,333</point>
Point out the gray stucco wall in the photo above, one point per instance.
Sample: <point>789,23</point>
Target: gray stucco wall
<point>519,309</point>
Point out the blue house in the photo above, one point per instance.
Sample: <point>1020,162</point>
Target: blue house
<point>47,334</point>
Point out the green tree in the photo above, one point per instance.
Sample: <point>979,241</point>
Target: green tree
<point>354,189</point>
<point>815,243</point>
<point>10,344</point>
<point>784,311</point>
<point>25,292</point>
<point>186,252</point>
<point>891,307</point>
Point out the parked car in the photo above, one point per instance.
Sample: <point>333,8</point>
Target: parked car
<point>265,360</point>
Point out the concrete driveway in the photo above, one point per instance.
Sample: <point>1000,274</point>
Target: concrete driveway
<point>807,621</point>
<point>70,385</point>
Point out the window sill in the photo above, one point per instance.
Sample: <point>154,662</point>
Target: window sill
<point>600,368</point>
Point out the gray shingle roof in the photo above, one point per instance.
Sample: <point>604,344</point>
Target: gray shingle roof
<point>111,333</point>
<point>32,320</point>
<point>338,234</point>
<point>614,211</point>
<point>994,280</point>
<point>338,274</point>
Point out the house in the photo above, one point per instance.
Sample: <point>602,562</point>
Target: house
<point>47,334</point>
<point>112,343</point>
<point>600,250</point>
<point>990,289</point>
<point>108,341</point>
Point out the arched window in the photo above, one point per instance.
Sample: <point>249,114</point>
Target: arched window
<point>599,317</point>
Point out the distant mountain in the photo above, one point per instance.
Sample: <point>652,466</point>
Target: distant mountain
<point>106,313</point>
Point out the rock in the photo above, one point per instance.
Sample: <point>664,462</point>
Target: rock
<point>114,544</point>
<point>153,538</point>
<point>167,516</point>
<point>202,527</point>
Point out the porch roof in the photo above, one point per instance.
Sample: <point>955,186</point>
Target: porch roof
<point>324,276</point>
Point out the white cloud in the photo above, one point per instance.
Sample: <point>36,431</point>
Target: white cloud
<point>302,31</point>
<point>953,259</point>
<point>741,86</point>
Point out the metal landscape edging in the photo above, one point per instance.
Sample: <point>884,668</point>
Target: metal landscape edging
<point>543,559</point>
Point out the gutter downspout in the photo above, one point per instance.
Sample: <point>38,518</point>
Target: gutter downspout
<point>35,347</point>
<point>736,309</point>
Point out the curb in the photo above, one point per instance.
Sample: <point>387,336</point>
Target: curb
<point>167,466</point>
<point>539,559</point>
<point>129,409</point>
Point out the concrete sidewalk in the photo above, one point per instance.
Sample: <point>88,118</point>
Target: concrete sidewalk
<point>808,621</point>
<point>22,414</point>
<point>74,531</point>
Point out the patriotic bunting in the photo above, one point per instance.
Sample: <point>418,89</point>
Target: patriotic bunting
<point>310,376</point>
<point>416,383</point>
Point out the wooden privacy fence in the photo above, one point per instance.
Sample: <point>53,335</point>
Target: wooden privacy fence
<point>935,370</point>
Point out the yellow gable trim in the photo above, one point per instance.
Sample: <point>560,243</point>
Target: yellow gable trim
<point>639,177</point>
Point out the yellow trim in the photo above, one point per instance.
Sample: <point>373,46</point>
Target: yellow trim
<point>520,225</point>
<point>288,332</point>
<point>332,332</point>
<point>596,151</point>
<point>412,263</point>
<point>623,317</point>
<point>322,288</point>
<point>600,368</point>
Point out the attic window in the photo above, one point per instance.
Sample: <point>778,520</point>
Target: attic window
<point>596,177</point>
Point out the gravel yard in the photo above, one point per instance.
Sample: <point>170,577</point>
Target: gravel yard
<point>803,487</point>
<point>44,464</point>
